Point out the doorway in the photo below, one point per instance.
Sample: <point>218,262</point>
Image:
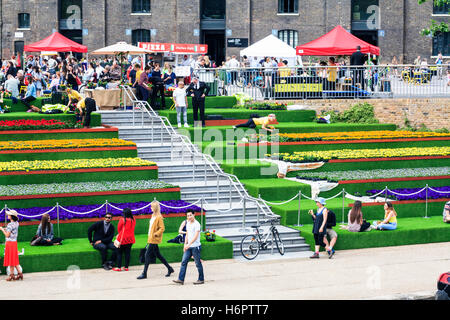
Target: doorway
<point>215,39</point>
<point>369,36</point>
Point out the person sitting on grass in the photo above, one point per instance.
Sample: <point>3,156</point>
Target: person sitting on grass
<point>390,218</point>
<point>44,235</point>
<point>30,96</point>
<point>319,228</point>
<point>263,121</point>
<point>181,233</point>
<point>356,223</point>
<point>446,212</point>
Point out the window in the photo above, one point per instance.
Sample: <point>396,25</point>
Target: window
<point>140,35</point>
<point>289,36</point>
<point>140,6</point>
<point>24,20</point>
<point>287,6</point>
<point>441,43</point>
<point>213,9</point>
<point>442,9</point>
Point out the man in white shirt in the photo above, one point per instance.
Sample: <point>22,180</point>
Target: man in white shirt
<point>192,248</point>
<point>234,65</point>
<point>12,85</point>
<point>180,100</point>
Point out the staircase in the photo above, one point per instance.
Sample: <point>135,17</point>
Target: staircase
<point>183,165</point>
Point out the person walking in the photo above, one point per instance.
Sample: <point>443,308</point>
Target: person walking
<point>155,235</point>
<point>11,259</point>
<point>198,91</point>
<point>125,239</point>
<point>319,227</point>
<point>192,248</point>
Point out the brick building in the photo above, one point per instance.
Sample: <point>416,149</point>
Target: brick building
<point>392,25</point>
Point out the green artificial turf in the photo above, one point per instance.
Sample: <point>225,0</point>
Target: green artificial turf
<point>409,231</point>
<point>78,252</point>
<point>69,154</point>
<point>59,135</point>
<point>244,114</point>
<point>250,169</point>
<point>274,189</point>
<point>79,176</point>
<point>210,102</point>
<point>95,117</point>
<point>20,107</point>
<point>289,212</point>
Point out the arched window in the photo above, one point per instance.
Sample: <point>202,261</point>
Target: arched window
<point>140,35</point>
<point>140,6</point>
<point>287,6</point>
<point>24,20</point>
<point>289,36</point>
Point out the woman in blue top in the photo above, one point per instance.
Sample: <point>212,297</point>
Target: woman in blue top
<point>320,228</point>
<point>44,235</point>
<point>169,78</point>
<point>30,96</point>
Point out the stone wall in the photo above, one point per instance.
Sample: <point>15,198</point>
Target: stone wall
<point>433,113</point>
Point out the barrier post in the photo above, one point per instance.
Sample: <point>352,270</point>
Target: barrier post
<point>299,209</point>
<point>385,194</point>
<point>426,202</point>
<point>201,214</point>
<point>259,210</point>
<point>106,207</point>
<point>6,219</point>
<point>57,218</point>
<point>343,204</point>
<point>244,229</point>
<point>218,186</point>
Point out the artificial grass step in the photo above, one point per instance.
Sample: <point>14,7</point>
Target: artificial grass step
<point>409,231</point>
<point>275,189</point>
<point>80,253</point>
<point>59,134</point>
<point>95,117</point>
<point>244,114</point>
<point>405,209</point>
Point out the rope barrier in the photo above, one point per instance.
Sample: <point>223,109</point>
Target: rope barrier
<point>139,209</point>
<point>225,211</point>
<point>280,203</point>
<point>38,215</point>
<point>407,194</point>
<point>437,191</point>
<point>166,206</point>
<point>83,213</point>
<point>334,196</point>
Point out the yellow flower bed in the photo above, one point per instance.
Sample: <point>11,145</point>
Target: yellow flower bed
<point>361,153</point>
<point>68,143</point>
<point>362,135</point>
<point>73,164</point>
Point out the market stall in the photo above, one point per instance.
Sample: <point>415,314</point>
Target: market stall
<point>56,42</point>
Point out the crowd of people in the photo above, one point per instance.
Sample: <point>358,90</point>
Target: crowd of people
<point>103,237</point>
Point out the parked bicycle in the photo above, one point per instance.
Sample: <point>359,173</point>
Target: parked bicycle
<point>252,244</point>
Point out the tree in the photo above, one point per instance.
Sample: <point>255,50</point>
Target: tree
<point>435,27</point>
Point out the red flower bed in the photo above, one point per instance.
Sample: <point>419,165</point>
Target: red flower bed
<point>27,124</point>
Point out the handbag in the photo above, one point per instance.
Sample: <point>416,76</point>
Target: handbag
<point>78,80</point>
<point>116,242</point>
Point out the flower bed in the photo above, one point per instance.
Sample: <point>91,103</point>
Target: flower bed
<point>99,211</point>
<point>66,143</point>
<point>326,155</point>
<point>78,187</point>
<point>402,194</point>
<point>70,164</point>
<point>262,106</point>
<point>27,124</point>
<point>375,174</point>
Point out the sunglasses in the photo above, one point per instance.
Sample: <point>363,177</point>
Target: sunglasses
<point>108,218</point>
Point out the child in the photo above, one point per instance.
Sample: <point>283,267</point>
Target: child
<point>180,100</point>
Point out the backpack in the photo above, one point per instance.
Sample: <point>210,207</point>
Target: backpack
<point>443,287</point>
<point>331,219</point>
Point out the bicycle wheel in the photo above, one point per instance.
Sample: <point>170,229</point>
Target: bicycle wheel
<point>278,241</point>
<point>250,247</point>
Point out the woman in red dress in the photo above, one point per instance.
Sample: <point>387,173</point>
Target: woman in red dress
<point>125,239</point>
<point>11,259</point>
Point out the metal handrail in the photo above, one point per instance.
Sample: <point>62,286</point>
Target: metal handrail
<point>186,142</point>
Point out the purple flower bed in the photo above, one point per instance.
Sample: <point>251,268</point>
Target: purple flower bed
<point>415,196</point>
<point>65,215</point>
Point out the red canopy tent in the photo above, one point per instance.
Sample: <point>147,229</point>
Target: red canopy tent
<point>337,42</point>
<point>56,42</point>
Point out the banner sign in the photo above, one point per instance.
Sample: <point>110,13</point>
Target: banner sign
<point>175,47</point>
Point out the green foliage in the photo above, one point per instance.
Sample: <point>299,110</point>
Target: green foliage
<point>435,28</point>
<point>358,113</point>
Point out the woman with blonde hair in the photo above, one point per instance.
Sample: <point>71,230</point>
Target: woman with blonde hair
<point>390,218</point>
<point>155,235</point>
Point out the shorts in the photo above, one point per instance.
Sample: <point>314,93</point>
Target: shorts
<point>331,233</point>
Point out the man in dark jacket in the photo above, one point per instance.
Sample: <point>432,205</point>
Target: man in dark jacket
<point>198,90</point>
<point>357,59</point>
<point>102,241</point>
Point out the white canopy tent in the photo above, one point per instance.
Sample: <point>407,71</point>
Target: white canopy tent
<point>271,46</point>
<point>120,47</point>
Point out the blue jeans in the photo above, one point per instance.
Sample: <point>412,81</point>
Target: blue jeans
<point>186,256</point>
<point>387,226</point>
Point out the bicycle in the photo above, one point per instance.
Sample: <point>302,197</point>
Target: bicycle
<point>252,244</point>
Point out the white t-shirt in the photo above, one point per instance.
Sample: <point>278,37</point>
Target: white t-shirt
<point>152,220</point>
<point>180,97</point>
<point>191,229</point>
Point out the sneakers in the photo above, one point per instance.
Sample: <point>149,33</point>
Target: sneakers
<point>199,282</point>
<point>186,125</point>
<point>125,269</point>
<point>106,266</point>
<point>116,269</point>
<point>178,281</point>
<point>315,256</point>
<point>331,254</point>
<point>179,125</point>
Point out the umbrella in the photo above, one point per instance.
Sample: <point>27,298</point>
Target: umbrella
<point>120,47</point>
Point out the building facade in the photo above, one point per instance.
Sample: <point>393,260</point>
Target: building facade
<point>227,26</point>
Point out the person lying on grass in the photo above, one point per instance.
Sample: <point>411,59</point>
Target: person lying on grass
<point>263,121</point>
<point>390,218</point>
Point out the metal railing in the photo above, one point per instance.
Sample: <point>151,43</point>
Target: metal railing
<point>330,82</point>
<point>186,145</point>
